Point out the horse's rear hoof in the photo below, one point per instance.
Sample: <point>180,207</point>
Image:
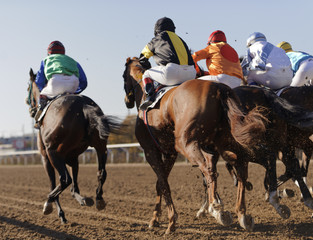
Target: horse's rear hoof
<point>201,213</point>
<point>100,204</point>
<point>47,208</point>
<point>88,202</point>
<point>284,211</point>
<point>247,222</point>
<point>224,218</point>
<point>308,203</point>
<point>154,223</point>
<point>249,186</point>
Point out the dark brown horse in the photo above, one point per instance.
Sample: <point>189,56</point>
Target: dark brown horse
<point>196,119</point>
<point>302,96</point>
<point>71,124</point>
<point>282,117</point>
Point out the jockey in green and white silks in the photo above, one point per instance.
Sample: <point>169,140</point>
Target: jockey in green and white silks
<point>59,73</point>
<point>266,64</point>
<point>301,63</point>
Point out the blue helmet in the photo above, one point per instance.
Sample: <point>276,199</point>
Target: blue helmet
<point>255,37</point>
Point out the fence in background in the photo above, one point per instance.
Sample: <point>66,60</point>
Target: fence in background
<point>29,157</point>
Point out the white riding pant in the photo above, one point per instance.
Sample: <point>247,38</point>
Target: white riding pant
<point>60,83</point>
<point>171,74</point>
<point>304,74</point>
<point>231,81</point>
<point>274,78</point>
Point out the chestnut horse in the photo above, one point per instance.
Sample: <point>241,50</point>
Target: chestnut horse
<point>196,119</point>
<point>71,124</point>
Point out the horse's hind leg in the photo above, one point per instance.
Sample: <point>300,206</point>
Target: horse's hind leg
<point>83,201</point>
<point>102,175</point>
<point>204,207</point>
<point>48,208</point>
<point>245,221</point>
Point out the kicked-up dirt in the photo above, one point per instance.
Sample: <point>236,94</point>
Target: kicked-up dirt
<point>130,195</point>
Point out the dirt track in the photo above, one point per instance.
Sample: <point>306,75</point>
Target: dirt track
<point>129,192</point>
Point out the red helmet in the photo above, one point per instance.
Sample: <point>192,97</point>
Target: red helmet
<point>217,36</point>
<point>56,47</point>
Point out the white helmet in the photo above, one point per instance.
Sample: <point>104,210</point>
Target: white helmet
<point>255,37</point>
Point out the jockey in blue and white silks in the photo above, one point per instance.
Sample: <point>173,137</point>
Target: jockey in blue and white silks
<point>301,63</point>
<point>266,64</point>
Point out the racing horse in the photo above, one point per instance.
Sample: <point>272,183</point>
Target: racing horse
<point>278,135</point>
<point>71,124</point>
<point>302,96</point>
<point>195,119</point>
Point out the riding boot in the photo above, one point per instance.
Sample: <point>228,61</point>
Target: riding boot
<point>150,94</point>
<point>43,100</point>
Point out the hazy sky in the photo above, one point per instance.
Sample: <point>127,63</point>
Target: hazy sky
<point>100,35</point>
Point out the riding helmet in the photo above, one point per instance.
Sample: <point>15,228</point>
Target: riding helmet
<point>56,47</point>
<point>286,46</point>
<point>217,36</point>
<point>164,24</point>
<point>255,37</point>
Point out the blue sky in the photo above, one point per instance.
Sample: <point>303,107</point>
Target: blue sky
<point>100,35</point>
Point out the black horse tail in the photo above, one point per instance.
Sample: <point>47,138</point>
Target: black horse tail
<point>248,129</point>
<point>104,124</point>
<point>293,114</point>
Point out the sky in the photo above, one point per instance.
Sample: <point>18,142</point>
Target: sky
<point>101,34</point>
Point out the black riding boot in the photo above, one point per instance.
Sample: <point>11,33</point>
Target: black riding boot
<point>43,100</point>
<point>150,96</point>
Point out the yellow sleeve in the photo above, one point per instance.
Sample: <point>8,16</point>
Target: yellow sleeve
<point>146,52</point>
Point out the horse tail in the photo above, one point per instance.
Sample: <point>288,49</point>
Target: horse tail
<point>294,115</point>
<point>248,129</point>
<point>102,123</point>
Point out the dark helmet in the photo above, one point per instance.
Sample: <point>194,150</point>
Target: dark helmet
<point>217,36</point>
<point>164,24</point>
<point>56,47</point>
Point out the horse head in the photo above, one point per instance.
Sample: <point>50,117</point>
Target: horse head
<point>133,82</point>
<point>33,94</point>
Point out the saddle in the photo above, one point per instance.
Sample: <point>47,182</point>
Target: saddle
<point>158,95</point>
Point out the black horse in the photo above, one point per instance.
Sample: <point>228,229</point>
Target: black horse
<point>71,124</point>
<point>282,118</point>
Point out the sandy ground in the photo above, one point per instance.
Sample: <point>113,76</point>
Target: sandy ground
<point>130,194</point>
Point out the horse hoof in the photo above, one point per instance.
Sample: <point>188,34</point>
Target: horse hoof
<point>247,222</point>
<point>100,204</point>
<point>88,202</point>
<point>47,208</point>
<point>311,190</point>
<point>267,197</point>
<point>284,211</point>
<point>288,193</point>
<point>170,229</point>
<point>154,223</point>
<point>224,218</point>
<point>249,186</point>
<point>201,213</point>
<point>308,203</point>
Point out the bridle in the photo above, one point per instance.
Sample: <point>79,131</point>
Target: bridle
<point>31,100</point>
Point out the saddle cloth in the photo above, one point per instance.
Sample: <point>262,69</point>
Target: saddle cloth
<point>159,95</point>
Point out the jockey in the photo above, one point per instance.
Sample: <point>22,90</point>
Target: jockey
<point>301,63</point>
<point>58,74</point>
<point>221,59</point>
<point>172,56</point>
<point>266,64</point>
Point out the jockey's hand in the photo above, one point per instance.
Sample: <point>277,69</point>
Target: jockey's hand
<point>144,62</point>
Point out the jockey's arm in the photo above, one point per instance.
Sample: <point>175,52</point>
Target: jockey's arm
<point>82,79</point>
<point>41,80</point>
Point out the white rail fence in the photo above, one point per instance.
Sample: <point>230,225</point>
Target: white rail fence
<point>28,157</point>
